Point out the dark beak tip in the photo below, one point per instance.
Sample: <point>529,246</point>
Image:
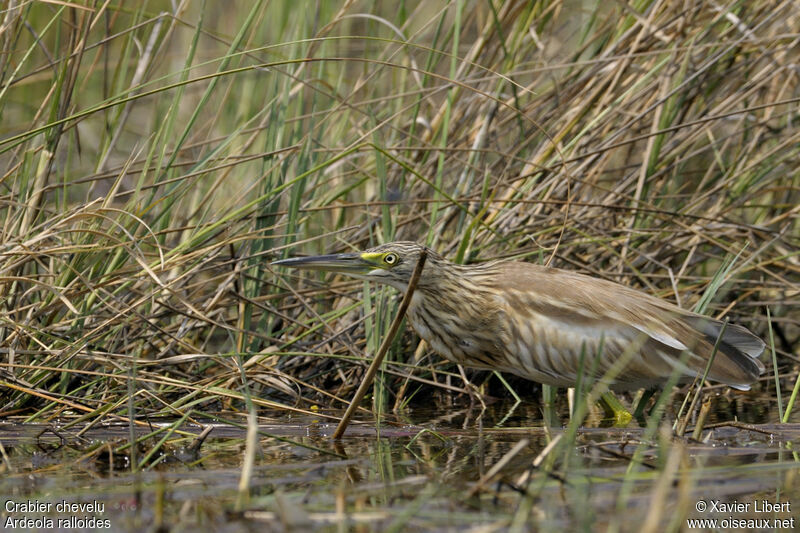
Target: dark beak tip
<point>290,262</point>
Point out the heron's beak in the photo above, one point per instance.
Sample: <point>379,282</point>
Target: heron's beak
<point>354,264</point>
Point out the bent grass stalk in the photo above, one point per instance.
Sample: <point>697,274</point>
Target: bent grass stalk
<point>387,340</point>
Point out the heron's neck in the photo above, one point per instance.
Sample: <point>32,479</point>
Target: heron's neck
<point>453,284</point>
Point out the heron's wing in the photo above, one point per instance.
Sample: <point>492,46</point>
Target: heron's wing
<point>566,314</point>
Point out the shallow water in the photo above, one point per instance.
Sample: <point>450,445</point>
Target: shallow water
<point>425,469</point>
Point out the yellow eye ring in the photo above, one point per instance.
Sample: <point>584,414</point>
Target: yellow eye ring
<point>390,259</point>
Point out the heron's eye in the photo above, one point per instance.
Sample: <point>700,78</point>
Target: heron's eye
<point>390,259</point>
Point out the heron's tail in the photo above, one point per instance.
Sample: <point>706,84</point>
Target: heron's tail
<point>737,360</point>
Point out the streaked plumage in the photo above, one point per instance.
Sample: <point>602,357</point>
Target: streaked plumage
<point>535,321</point>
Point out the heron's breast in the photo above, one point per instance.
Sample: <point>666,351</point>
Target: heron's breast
<point>470,339</point>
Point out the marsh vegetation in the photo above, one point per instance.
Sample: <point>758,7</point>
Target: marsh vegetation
<point>156,156</point>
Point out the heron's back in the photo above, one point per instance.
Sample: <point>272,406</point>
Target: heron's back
<point>543,323</point>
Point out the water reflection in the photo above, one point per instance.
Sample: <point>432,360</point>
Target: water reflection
<point>428,464</point>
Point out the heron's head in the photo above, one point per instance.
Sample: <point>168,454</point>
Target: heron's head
<point>391,263</point>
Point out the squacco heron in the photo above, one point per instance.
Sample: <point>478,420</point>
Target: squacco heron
<point>543,323</point>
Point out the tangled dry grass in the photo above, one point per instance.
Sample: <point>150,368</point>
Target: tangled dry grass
<point>155,162</point>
